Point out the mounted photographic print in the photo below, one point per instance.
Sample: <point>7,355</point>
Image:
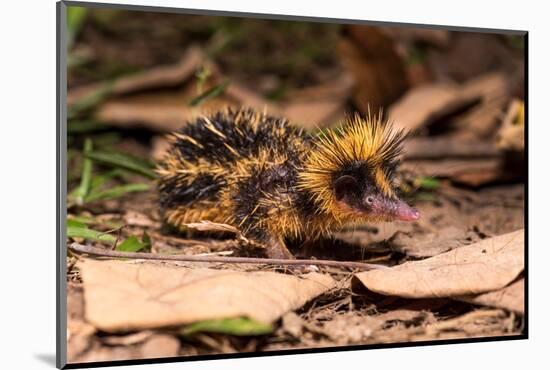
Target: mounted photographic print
<point>237,185</point>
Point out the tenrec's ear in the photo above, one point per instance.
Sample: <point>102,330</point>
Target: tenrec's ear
<point>344,185</point>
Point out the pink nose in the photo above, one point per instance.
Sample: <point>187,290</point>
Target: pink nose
<point>404,212</point>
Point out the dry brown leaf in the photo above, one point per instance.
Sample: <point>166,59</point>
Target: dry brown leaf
<point>317,113</point>
<point>477,268</point>
<point>127,296</point>
<point>447,147</point>
<point>370,56</point>
<point>319,105</point>
<point>249,98</point>
<point>426,104</point>
<point>493,90</point>
<point>473,172</point>
<point>79,332</point>
<point>161,111</point>
<point>158,77</point>
<point>135,218</point>
<point>511,297</point>
<point>427,244</point>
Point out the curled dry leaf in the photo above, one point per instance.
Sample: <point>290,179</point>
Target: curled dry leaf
<point>121,296</point>
<point>511,297</point>
<point>481,267</point>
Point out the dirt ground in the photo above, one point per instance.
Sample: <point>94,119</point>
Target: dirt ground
<point>463,167</point>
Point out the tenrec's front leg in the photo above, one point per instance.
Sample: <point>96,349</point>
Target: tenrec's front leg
<point>276,248</point>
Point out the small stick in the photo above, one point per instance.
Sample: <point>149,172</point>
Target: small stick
<point>212,259</point>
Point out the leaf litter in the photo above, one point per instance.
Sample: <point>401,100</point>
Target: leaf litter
<point>167,296</point>
<point>455,154</point>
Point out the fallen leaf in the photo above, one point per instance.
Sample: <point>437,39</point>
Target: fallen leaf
<point>319,105</point>
<point>424,245</point>
<point>79,332</point>
<point>135,218</point>
<point>473,172</point>
<point>448,146</point>
<point>511,297</point>
<point>123,296</point>
<point>481,121</point>
<point>369,55</point>
<point>154,78</point>
<point>481,267</point>
<point>426,104</point>
<point>317,113</point>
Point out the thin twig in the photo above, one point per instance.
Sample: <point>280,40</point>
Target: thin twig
<point>212,259</point>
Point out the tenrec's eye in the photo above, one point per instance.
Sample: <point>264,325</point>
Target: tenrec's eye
<point>369,200</point>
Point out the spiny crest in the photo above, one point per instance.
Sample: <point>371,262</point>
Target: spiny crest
<point>370,140</point>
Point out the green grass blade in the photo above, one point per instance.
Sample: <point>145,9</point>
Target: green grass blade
<point>85,180</point>
<point>124,161</point>
<point>116,191</point>
<point>84,127</point>
<point>209,94</point>
<point>99,180</point>
<point>89,234</point>
<point>84,221</point>
<point>236,326</point>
